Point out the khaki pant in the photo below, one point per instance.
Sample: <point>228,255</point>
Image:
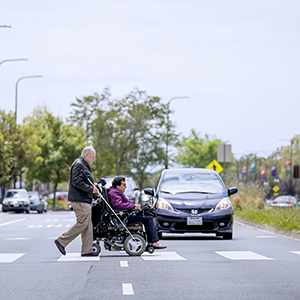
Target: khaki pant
<point>83,226</point>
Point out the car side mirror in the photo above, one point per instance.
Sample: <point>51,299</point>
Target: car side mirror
<point>149,192</point>
<point>232,191</point>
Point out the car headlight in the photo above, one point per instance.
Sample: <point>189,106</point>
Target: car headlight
<point>223,204</point>
<point>164,204</point>
<point>5,202</point>
<point>26,201</point>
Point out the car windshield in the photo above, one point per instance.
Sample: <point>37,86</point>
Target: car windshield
<point>203,183</point>
<point>16,194</point>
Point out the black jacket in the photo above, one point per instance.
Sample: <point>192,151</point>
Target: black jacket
<point>80,189</point>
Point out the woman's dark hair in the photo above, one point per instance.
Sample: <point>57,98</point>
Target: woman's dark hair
<point>118,181</point>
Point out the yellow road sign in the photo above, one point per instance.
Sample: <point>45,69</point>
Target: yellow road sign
<point>276,188</point>
<point>214,165</point>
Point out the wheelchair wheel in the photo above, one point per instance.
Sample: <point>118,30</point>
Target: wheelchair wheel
<point>150,249</point>
<point>96,248</point>
<point>135,246</point>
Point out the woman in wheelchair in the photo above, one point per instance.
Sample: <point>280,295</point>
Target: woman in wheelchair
<point>119,201</point>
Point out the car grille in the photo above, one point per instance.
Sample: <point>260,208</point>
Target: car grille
<point>192,211</point>
<point>184,226</point>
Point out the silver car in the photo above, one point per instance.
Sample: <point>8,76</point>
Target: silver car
<point>16,200</point>
<point>284,201</point>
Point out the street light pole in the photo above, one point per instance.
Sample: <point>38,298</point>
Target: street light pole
<point>168,129</point>
<point>16,59</point>
<point>16,98</point>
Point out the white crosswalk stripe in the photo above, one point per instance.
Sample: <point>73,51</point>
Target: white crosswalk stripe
<point>162,256</point>
<point>242,255</point>
<point>10,257</point>
<point>78,257</point>
<point>157,255</point>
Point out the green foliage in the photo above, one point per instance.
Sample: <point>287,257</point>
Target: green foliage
<point>128,134</point>
<point>8,129</point>
<point>59,205</point>
<point>249,196</point>
<point>55,144</point>
<point>286,219</point>
<point>195,151</point>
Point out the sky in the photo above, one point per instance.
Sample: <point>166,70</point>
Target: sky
<point>237,62</point>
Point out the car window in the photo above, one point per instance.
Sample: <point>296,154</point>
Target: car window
<point>191,182</point>
<point>16,194</point>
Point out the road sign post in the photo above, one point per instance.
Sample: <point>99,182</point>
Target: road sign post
<point>224,155</point>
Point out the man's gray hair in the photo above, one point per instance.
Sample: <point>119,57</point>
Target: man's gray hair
<point>87,150</point>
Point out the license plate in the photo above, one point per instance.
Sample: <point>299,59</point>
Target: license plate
<point>194,221</point>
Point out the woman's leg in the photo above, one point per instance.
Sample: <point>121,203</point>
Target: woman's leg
<point>150,227</point>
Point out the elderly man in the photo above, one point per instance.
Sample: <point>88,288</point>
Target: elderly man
<point>80,195</point>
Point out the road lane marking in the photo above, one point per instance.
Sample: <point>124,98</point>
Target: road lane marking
<point>295,252</point>
<point>127,289</point>
<point>18,239</point>
<point>162,256</point>
<point>242,255</point>
<point>10,257</point>
<point>78,257</point>
<point>7,223</point>
<point>266,237</point>
<point>124,263</point>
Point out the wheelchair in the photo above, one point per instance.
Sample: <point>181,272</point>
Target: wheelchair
<point>114,228</point>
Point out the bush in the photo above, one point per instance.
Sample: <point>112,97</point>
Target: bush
<point>59,205</point>
<point>249,196</point>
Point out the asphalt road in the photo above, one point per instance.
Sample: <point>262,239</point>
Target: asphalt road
<point>254,265</point>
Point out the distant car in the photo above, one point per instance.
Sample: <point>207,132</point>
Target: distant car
<point>16,200</point>
<point>132,192</point>
<point>145,198</point>
<point>37,202</point>
<point>284,201</point>
<point>269,202</point>
<point>192,200</point>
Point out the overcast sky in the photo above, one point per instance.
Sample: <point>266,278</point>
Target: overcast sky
<point>237,61</point>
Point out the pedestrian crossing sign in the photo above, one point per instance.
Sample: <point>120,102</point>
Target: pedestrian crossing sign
<point>214,165</point>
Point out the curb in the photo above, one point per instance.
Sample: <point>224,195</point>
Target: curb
<point>295,235</point>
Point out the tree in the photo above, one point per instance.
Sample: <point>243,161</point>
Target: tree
<point>128,133</point>
<point>58,145</point>
<point>7,131</point>
<point>197,152</point>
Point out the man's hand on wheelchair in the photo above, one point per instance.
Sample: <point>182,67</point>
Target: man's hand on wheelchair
<point>97,197</point>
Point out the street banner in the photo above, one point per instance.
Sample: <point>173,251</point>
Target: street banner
<point>253,167</point>
<point>244,170</point>
<point>263,174</point>
<point>287,165</point>
<point>273,170</point>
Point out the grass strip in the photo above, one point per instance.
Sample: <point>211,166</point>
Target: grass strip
<point>287,219</point>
